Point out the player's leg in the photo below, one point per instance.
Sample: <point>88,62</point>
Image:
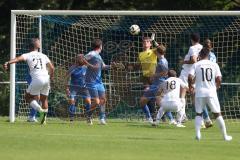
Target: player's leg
<point>183,91</point>
<point>95,101</point>
<point>199,103</point>
<point>44,100</point>
<point>214,105</point>
<point>102,104</point>
<point>33,112</point>
<point>207,121</point>
<point>143,104</point>
<point>180,112</point>
<point>34,92</point>
<point>72,102</point>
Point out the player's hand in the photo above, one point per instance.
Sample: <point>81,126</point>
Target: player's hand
<point>153,37</point>
<point>191,90</point>
<point>5,66</point>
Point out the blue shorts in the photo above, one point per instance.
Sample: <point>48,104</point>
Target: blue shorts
<point>151,92</point>
<point>153,89</point>
<point>78,92</point>
<point>96,90</point>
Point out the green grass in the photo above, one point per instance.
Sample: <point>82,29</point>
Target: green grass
<point>119,140</point>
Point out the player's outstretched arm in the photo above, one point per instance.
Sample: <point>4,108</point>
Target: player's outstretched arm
<point>15,60</point>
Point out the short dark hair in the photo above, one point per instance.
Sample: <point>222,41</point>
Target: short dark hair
<point>207,44</point>
<point>32,43</point>
<point>204,53</point>
<point>97,43</point>
<point>161,49</point>
<point>195,37</point>
<point>172,73</point>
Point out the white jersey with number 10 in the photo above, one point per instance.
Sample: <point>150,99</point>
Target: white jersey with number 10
<point>205,72</point>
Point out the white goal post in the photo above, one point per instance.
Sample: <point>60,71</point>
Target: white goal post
<point>105,23</point>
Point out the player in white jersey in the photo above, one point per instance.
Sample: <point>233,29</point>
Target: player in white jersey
<point>189,60</point>
<point>207,77</point>
<point>40,84</point>
<point>171,100</point>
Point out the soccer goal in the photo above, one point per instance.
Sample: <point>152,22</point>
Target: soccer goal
<point>64,34</point>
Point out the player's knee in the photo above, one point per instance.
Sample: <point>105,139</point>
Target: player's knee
<point>143,101</point>
<point>199,114</point>
<point>216,115</point>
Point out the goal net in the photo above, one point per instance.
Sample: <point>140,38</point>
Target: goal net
<point>65,36</point>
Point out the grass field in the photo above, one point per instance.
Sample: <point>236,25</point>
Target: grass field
<point>119,140</point>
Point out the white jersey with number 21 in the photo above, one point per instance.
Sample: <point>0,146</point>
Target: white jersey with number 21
<point>37,64</point>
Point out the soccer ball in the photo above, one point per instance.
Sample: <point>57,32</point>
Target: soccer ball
<point>134,29</point>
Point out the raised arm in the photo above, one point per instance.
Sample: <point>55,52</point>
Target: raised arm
<point>15,60</point>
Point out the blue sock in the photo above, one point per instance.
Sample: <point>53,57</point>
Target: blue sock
<point>205,113</point>
<point>102,112</point>
<point>169,115</point>
<point>87,107</point>
<point>72,110</point>
<point>146,111</point>
<point>32,113</point>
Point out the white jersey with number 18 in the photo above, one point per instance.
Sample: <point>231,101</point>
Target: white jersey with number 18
<point>37,64</point>
<point>205,73</point>
<point>171,88</point>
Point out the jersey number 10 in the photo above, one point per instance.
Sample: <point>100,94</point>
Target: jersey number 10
<point>206,74</point>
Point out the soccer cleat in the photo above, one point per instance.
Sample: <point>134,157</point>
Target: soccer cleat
<point>89,121</point>
<point>203,125</point>
<point>198,138</point>
<point>32,119</point>
<point>150,120</point>
<point>208,124</point>
<point>228,138</point>
<point>103,122</point>
<point>173,122</point>
<point>180,125</point>
<point>43,117</point>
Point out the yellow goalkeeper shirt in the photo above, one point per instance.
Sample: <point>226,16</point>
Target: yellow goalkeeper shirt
<point>148,61</point>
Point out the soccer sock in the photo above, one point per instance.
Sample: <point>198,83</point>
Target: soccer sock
<point>205,114</point>
<point>102,111</point>
<point>32,113</point>
<point>72,109</point>
<point>151,106</point>
<point>169,115</point>
<point>184,105</point>
<point>221,125</point>
<point>198,122</point>
<point>160,113</point>
<point>34,104</point>
<point>87,107</point>
<point>146,111</point>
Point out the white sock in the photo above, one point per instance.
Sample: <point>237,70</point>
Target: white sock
<point>184,105</point>
<point>198,122</point>
<point>180,116</point>
<point>45,110</point>
<point>34,104</point>
<point>160,113</point>
<point>221,125</point>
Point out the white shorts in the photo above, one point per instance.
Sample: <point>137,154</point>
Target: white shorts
<point>174,106</point>
<point>212,102</point>
<point>39,86</point>
<point>184,76</point>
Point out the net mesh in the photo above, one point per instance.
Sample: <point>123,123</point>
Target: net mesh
<point>63,37</point>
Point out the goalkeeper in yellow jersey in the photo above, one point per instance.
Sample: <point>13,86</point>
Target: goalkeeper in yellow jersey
<point>147,61</point>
